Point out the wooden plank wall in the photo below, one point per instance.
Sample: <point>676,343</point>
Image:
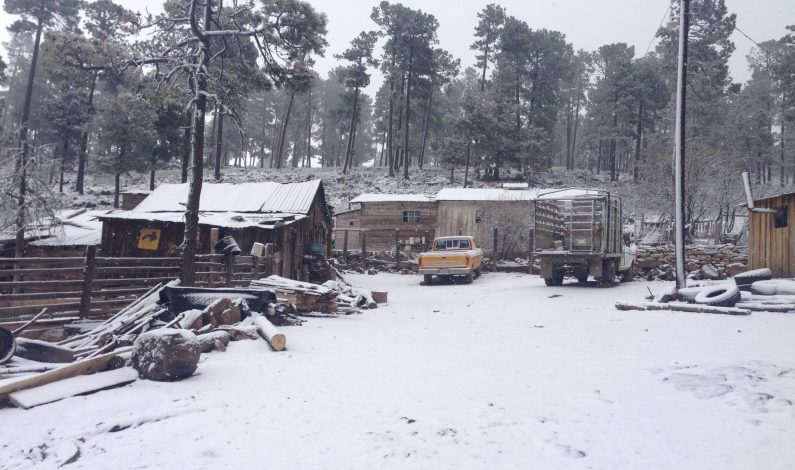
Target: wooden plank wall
<point>382,219</point>
<point>770,247</point>
<point>460,218</point>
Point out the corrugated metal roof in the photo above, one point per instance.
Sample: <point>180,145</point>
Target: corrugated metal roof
<point>373,197</point>
<point>224,197</point>
<point>569,193</point>
<point>219,219</point>
<point>486,194</point>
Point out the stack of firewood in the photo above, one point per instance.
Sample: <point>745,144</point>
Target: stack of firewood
<point>304,296</point>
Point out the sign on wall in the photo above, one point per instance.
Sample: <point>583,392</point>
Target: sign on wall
<point>149,239</point>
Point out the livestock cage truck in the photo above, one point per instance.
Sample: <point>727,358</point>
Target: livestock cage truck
<point>579,233</point>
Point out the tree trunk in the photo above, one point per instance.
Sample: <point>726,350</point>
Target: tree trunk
<point>309,130</point>
<point>189,243</point>
<point>390,149</point>
<point>638,137</point>
<point>485,66</point>
<point>574,136</point>
<point>425,130</point>
<point>466,169</point>
<point>116,187</point>
<point>283,133</point>
<point>83,153</point>
<point>352,127</point>
<point>63,161</point>
<point>185,156</point>
<point>22,159</point>
<point>219,140</point>
<point>406,135</point>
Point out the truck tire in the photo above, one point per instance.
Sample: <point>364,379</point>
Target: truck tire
<point>556,280</point>
<point>468,278</point>
<point>744,280</point>
<point>629,274</point>
<point>582,278</point>
<point>427,279</point>
<point>609,269</point>
<point>719,296</point>
<point>477,273</point>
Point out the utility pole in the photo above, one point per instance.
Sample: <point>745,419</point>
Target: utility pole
<point>679,143</point>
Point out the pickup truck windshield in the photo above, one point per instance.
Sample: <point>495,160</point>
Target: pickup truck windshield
<point>453,244</point>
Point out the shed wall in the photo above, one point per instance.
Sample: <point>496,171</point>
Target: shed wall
<point>770,247</point>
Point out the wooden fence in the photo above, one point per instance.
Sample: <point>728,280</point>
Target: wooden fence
<point>93,286</point>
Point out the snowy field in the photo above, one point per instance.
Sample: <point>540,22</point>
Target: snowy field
<point>501,374</point>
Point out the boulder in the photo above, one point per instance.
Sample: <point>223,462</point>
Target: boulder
<point>709,271</point>
<point>166,354</point>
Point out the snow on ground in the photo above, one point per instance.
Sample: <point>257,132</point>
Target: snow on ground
<point>504,373</point>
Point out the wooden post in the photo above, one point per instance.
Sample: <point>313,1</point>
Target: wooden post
<point>229,268</point>
<point>494,254</point>
<point>345,246</point>
<point>363,238</point>
<point>215,233</point>
<point>397,249</point>
<point>88,277</point>
<point>255,267</point>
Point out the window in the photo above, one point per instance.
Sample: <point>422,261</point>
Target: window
<point>411,217</point>
<point>781,217</point>
<point>478,216</point>
<point>453,244</point>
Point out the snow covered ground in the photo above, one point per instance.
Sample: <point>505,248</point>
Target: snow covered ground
<point>504,373</point>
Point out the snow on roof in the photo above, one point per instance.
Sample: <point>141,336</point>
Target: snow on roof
<point>70,228</point>
<point>225,197</point>
<point>372,197</point>
<point>218,219</point>
<point>569,193</point>
<point>515,185</point>
<point>486,194</point>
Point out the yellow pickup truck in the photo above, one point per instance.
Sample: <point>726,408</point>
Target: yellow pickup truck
<point>451,258</point>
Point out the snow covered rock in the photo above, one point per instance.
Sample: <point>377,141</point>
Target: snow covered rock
<point>166,354</point>
<point>709,271</point>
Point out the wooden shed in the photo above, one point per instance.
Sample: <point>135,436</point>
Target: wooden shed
<point>413,216</point>
<point>478,211</point>
<point>771,236</point>
<point>294,217</point>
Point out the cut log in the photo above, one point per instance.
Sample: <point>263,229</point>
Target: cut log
<point>240,332</point>
<point>213,341</point>
<point>270,333</point>
<point>7,345</point>
<point>166,354</point>
<point>42,351</point>
<point>73,386</point>
<point>191,319</point>
<point>84,367</point>
<point>213,312</point>
<point>682,307</point>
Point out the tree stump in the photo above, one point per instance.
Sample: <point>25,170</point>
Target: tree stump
<point>166,354</point>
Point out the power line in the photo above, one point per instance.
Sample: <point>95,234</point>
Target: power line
<point>665,15</point>
<point>747,36</point>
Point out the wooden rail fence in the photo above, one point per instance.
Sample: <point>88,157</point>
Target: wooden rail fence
<point>94,286</point>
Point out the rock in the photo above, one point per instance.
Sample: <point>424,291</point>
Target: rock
<point>709,271</point>
<point>734,269</point>
<point>166,354</point>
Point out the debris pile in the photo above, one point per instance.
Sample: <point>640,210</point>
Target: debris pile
<point>704,262</point>
<point>161,336</point>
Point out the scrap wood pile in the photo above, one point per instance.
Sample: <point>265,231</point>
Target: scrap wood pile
<point>373,263</point>
<point>160,336</point>
<point>752,291</point>
<point>329,297</point>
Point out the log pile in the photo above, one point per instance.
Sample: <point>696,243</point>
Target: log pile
<point>305,297</point>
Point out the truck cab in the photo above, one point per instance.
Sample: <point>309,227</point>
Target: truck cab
<point>452,258</point>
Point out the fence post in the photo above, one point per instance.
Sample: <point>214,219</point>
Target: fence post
<point>229,267</point>
<point>363,237</point>
<point>254,267</point>
<point>88,278</point>
<point>397,249</point>
<point>494,254</point>
<point>345,247</point>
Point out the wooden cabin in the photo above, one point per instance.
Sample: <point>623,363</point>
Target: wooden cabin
<point>478,211</point>
<point>294,217</point>
<point>379,216</point>
<point>771,236</point>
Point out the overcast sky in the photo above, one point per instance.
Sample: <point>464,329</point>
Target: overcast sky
<point>587,24</point>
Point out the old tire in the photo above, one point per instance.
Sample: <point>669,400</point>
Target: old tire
<point>556,280</point>
<point>7,345</point>
<point>744,280</point>
<point>688,294</point>
<point>609,269</point>
<point>719,296</point>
